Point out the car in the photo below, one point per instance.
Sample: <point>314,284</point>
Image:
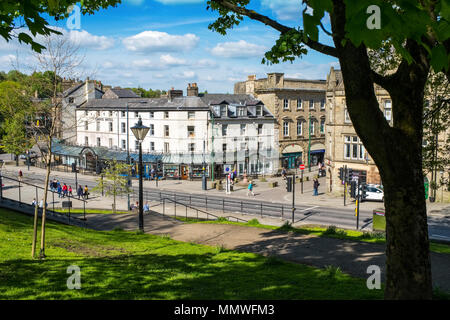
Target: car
<point>33,154</point>
<point>373,193</point>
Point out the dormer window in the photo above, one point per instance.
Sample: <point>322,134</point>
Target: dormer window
<point>223,111</point>
<point>259,111</point>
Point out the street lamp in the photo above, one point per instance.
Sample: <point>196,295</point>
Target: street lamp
<point>140,131</point>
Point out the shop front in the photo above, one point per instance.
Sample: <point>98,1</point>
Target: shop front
<point>317,154</point>
<point>291,155</point>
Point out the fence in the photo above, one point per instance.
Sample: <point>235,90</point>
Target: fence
<point>21,194</point>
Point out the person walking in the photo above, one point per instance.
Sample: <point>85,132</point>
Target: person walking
<point>80,191</point>
<point>86,192</point>
<point>20,175</point>
<point>283,173</point>
<point>70,191</point>
<point>250,189</point>
<point>316,185</point>
<point>34,203</point>
<point>59,190</point>
<point>64,190</point>
<point>146,207</point>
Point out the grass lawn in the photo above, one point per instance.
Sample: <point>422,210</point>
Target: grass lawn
<point>330,232</point>
<point>129,265</point>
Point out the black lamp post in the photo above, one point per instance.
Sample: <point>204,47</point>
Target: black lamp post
<point>140,131</point>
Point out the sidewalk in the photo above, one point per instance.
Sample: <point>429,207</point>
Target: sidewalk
<point>262,190</point>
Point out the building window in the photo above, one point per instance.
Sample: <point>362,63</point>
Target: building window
<point>322,125</point>
<point>191,114</point>
<point>86,125</point>
<point>191,131</point>
<point>151,114</point>
<point>299,104</point>
<point>311,104</point>
<point>86,141</point>
<point>299,127</point>
<point>259,111</point>
<point>322,104</point>
<point>353,148</point>
<point>124,144</point>
<point>151,131</point>
<point>388,110</point>
<point>110,113</point>
<point>191,147</point>
<point>152,146</point>
<point>110,143</point>
<point>136,114</point>
<point>110,126</point>
<point>260,128</point>
<point>166,114</point>
<point>285,104</point>
<point>97,126</point>
<point>286,128</point>
<point>224,147</point>
<point>224,129</point>
<point>241,112</point>
<point>123,114</point>
<point>123,126</point>
<point>166,147</point>
<point>243,129</point>
<point>347,116</point>
<point>98,142</point>
<point>223,111</point>
<point>166,131</point>
<point>311,127</point>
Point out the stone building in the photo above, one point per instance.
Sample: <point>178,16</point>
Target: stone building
<point>298,106</point>
<point>343,146</point>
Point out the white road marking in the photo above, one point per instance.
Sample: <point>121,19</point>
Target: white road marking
<point>308,209</point>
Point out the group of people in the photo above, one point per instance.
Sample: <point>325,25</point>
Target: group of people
<point>145,207</point>
<point>65,190</point>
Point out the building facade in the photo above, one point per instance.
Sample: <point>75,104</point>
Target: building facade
<point>299,109</point>
<point>343,146</point>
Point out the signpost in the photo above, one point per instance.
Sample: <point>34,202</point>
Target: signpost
<point>302,168</point>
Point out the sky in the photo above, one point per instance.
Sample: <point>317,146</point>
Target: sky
<point>160,44</point>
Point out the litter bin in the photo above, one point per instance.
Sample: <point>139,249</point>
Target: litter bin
<point>379,220</point>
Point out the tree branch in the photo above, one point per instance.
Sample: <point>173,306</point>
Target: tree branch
<point>315,45</point>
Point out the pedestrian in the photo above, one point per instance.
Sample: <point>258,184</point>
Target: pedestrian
<point>80,191</point>
<point>20,175</point>
<point>34,203</point>
<point>70,191</point>
<point>59,190</point>
<point>250,188</point>
<point>316,185</point>
<point>283,173</point>
<point>64,190</point>
<point>51,186</point>
<point>86,192</point>
<point>146,207</point>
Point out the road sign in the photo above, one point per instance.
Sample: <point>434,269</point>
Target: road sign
<point>302,167</point>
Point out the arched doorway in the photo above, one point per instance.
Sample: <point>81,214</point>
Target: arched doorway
<point>291,156</point>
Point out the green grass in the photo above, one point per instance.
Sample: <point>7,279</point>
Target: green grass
<point>128,265</point>
<point>102,211</point>
<point>330,232</point>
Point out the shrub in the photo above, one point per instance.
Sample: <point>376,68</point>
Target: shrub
<point>330,230</point>
<point>287,226</point>
<point>253,222</point>
<point>222,219</point>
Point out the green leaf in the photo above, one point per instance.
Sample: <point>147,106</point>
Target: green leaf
<point>439,58</point>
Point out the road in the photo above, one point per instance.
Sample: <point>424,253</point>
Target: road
<point>439,225</point>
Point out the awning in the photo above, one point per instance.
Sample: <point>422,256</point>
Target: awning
<point>292,148</point>
<point>318,147</point>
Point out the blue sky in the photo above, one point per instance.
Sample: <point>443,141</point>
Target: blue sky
<point>161,44</point>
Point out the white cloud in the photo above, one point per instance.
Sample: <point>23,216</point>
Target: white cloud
<point>285,9</point>
<point>165,61</point>
<point>155,41</point>
<point>85,39</point>
<point>239,49</point>
<point>205,63</point>
<point>7,60</point>
<point>186,75</point>
<point>168,60</point>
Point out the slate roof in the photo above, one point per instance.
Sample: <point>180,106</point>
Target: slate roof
<point>72,89</point>
<point>124,93</point>
<point>231,99</point>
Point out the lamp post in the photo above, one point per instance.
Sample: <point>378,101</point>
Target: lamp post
<point>1,182</point>
<point>128,156</point>
<point>140,131</point>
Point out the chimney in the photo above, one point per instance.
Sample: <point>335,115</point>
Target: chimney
<point>172,93</point>
<point>251,77</point>
<point>192,90</point>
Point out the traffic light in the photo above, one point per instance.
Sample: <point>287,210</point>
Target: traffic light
<point>74,166</point>
<point>341,174</point>
<point>363,176</point>
<point>353,189</point>
<point>349,174</point>
<point>159,166</point>
<point>363,191</point>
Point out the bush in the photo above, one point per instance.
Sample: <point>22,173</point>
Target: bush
<point>253,222</point>
<point>287,226</point>
<point>222,219</point>
<point>330,230</point>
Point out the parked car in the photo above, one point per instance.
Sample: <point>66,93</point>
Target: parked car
<point>373,193</point>
<point>33,154</point>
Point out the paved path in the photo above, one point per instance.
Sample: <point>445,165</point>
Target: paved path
<point>352,257</point>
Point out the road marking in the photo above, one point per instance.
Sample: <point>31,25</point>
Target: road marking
<point>308,209</point>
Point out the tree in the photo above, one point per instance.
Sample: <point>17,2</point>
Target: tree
<point>114,180</point>
<point>18,16</point>
<point>15,139</point>
<point>419,31</point>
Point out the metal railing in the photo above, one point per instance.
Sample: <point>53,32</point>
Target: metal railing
<point>208,214</point>
<point>22,199</point>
